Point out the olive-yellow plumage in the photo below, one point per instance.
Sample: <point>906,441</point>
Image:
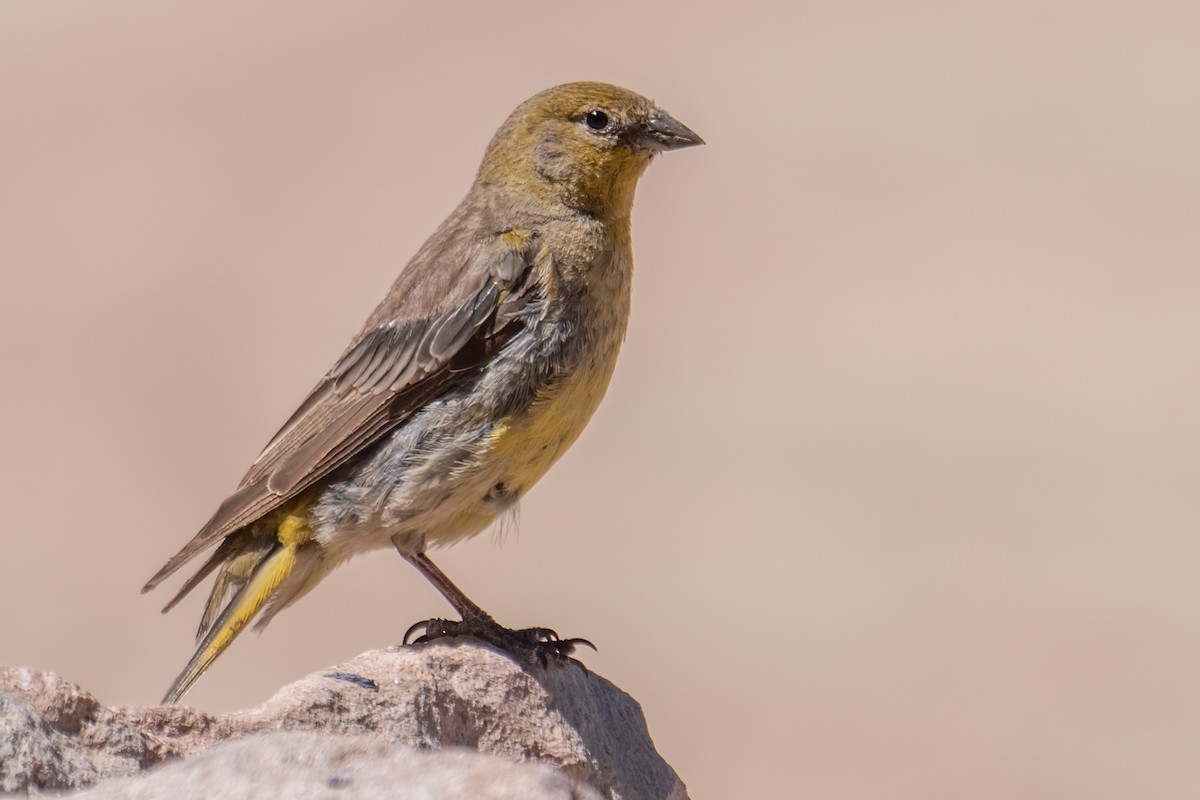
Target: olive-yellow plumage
<point>482,365</point>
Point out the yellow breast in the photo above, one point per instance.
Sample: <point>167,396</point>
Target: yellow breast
<point>527,445</point>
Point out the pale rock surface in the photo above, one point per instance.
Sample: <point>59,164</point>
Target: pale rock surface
<point>439,696</point>
<point>314,766</point>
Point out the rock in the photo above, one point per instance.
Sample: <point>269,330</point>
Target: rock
<point>53,735</point>
<point>438,696</point>
<point>307,766</point>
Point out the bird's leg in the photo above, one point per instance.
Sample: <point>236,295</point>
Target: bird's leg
<point>462,604</point>
<point>529,644</point>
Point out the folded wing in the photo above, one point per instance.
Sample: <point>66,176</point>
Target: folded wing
<point>389,372</point>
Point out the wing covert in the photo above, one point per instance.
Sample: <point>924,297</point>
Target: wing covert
<point>388,373</point>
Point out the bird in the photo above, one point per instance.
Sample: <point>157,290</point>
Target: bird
<point>479,368</point>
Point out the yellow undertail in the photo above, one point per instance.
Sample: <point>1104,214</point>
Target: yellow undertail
<point>258,573</point>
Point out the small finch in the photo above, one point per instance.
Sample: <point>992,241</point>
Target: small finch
<point>481,366</point>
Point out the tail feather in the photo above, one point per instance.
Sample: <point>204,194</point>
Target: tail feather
<point>254,563</point>
<point>227,549</point>
<point>249,599</point>
<point>216,558</point>
<point>236,573</point>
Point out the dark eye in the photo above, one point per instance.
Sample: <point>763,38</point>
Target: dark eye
<point>596,119</point>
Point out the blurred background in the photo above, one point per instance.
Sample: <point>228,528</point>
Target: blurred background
<point>895,492</point>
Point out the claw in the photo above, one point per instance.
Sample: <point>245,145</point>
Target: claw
<point>573,643</point>
<point>423,624</point>
<point>538,645</point>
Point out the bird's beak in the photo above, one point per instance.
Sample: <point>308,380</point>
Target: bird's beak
<point>663,132</point>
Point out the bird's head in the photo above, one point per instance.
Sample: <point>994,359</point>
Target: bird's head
<point>582,144</point>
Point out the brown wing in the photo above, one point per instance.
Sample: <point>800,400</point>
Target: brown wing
<point>388,373</point>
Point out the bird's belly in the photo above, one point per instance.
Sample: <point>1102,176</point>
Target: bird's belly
<point>522,447</point>
<point>528,444</point>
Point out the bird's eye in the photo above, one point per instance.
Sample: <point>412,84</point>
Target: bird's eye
<point>596,119</point>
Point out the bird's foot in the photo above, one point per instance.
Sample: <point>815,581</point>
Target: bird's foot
<point>528,645</point>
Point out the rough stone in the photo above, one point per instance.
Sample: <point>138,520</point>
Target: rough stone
<point>314,766</point>
<point>440,696</point>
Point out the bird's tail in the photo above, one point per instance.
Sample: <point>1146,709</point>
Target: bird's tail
<point>253,571</point>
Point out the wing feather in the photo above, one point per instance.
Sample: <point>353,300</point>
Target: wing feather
<point>388,373</point>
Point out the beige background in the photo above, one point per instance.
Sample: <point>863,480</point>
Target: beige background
<point>895,492</point>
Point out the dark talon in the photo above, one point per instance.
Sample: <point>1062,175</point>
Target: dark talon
<point>578,641</point>
<point>415,626</point>
<point>529,645</point>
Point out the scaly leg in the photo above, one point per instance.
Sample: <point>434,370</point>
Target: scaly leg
<point>529,644</point>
